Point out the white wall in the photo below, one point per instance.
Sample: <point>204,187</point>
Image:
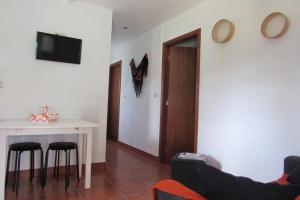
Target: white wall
<point>249,87</point>
<point>139,117</point>
<point>75,91</point>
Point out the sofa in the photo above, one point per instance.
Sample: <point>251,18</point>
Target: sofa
<point>183,185</point>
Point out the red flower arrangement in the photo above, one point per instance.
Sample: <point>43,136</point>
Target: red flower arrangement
<point>45,116</point>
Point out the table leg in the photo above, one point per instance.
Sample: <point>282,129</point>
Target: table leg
<point>80,145</point>
<point>88,158</point>
<point>2,164</point>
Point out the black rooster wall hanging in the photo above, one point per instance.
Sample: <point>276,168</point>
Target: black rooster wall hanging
<point>138,74</point>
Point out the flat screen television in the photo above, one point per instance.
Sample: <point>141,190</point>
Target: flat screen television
<point>58,48</point>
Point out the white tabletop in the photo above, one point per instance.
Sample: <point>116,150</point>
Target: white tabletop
<point>23,124</point>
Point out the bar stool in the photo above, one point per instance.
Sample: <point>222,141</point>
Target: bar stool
<point>57,147</point>
<point>19,148</point>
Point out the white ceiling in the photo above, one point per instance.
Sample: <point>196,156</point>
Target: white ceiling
<point>141,16</point>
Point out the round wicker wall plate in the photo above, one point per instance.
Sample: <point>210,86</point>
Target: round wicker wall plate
<point>268,19</point>
<point>216,30</point>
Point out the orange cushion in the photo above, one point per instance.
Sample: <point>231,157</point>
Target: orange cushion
<point>176,189</point>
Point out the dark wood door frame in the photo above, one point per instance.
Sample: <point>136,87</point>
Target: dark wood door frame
<point>164,91</point>
<point>116,64</point>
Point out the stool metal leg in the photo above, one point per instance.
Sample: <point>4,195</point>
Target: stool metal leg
<point>33,161</point>
<point>45,168</point>
<point>55,164</point>
<point>69,167</point>
<point>18,173</point>
<point>15,172</point>
<point>66,171</point>
<point>7,168</point>
<point>57,169</point>
<point>77,164</point>
<point>31,165</point>
<point>42,163</point>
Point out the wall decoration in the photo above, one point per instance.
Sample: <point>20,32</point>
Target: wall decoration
<point>44,116</point>
<point>267,21</point>
<point>138,74</point>
<point>217,29</point>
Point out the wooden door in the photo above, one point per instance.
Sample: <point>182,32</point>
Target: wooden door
<point>181,101</point>
<point>114,102</point>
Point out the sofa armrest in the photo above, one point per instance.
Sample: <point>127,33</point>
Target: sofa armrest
<point>291,163</point>
<point>172,190</point>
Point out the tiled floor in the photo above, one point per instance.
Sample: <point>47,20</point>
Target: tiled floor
<point>128,176</point>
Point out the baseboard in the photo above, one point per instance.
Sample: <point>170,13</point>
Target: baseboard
<point>96,167</point>
<point>148,155</point>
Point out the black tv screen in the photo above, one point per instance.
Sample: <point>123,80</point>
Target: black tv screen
<point>58,48</point>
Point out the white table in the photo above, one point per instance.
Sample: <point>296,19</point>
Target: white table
<point>23,127</point>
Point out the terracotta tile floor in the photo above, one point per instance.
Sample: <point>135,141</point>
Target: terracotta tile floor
<point>128,176</point>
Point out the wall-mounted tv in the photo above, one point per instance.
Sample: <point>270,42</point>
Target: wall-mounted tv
<point>58,48</point>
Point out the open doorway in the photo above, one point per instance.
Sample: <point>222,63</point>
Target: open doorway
<point>114,101</point>
<point>180,95</point>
